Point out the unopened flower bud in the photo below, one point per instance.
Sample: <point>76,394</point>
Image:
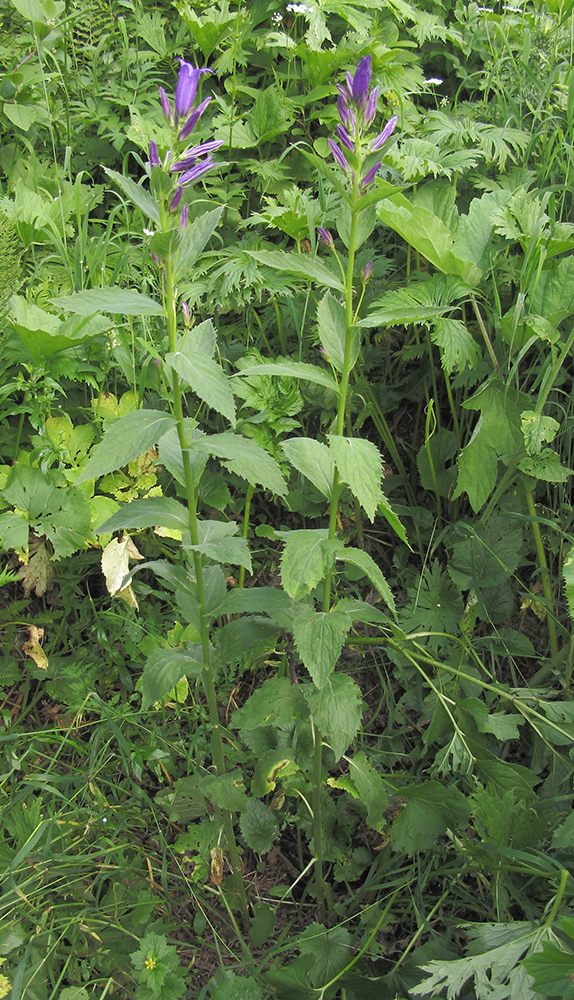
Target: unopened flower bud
<point>326,238</point>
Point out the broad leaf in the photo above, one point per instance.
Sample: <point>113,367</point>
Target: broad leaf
<point>319,638</point>
<point>430,809</point>
<point>337,710</point>
<point>216,541</point>
<point>276,703</point>
<point>244,457</point>
<point>207,380</point>
<point>306,559</point>
<point>360,466</point>
<point>128,437</point>
<point>194,239</point>
<point>259,826</point>
<point>165,667</point>
<point>226,791</point>
<point>120,301</point>
<point>457,346</point>
<point>313,460</point>
<point>365,784</point>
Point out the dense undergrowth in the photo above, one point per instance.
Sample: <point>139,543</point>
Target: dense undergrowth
<point>286,449</point>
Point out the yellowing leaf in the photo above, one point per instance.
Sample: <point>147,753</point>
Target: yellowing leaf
<point>115,567</point>
<point>33,649</point>
<point>36,574</point>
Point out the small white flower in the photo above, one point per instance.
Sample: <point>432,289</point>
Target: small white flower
<point>277,17</point>
<point>149,232</point>
<point>297,8</point>
<point>434,81</point>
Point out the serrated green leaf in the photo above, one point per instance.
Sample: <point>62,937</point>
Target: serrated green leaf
<point>244,638</point>
<point>195,237</point>
<point>306,558</point>
<point>164,668</point>
<point>236,987</point>
<point>148,513</point>
<point>319,638</point>
<point>128,437</point>
<point>365,784</point>
<point>313,460</point>
<point>332,323</point>
<point>308,267</point>
<point>272,766</point>
<point>276,703</point>
<point>137,195</point>
<point>216,541</point>
<point>207,380</point>
<point>259,826</point>
<point>430,809</point>
<point>337,710</point>
<point>361,468</point>
<point>244,457</point>
<point>552,970</point>
<point>545,466</point>
<point>293,369</point>
<point>120,301</point>
<point>357,557</point>
<point>225,791</point>
<point>330,950</point>
<point>457,346</point>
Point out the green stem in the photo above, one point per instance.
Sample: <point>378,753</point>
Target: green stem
<point>317,825</point>
<point>545,575</point>
<point>564,876</point>
<point>245,532</point>
<point>207,672</point>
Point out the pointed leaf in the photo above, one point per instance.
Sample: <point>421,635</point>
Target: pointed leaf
<point>307,557</point>
<point>148,512</point>
<point>295,369</point>
<point>360,466</point>
<point>137,194</point>
<point>332,322</point>
<point>216,541</point>
<point>313,460</point>
<point>365,562</point>
<point>276,703</point>
<point>319,638</point>
<point>128,437</point>
<point>164,669</point>
<point>337,709</point>
<point>194,239</point>
<point>244,457</point>
<point>259,826</point>
<point>120,301</point>
<point>431,809</point>
<point>308,267</point>
<point>207,379</point>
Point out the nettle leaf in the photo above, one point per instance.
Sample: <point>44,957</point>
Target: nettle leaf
<point>216,541</point>
<point>457,346</point>
<point>225,791</point>
<point>137,195</point>
<point>276,703</point>
<point>207,380</point>
<point>319,638</point>
<point>243,639</point>
<point>361,559</point>
<point>360,466</point>
<point>332,322</point>
<point>244,457</point>
<point>307,557</point>
<point>148,513</point>
<point>259,826</point>
<point>337,710</point>
<point>430,810</point>
<point>365,784</point>
<point>164,669</point>
<point>294,263</point>
<point>313,460</point>
<point>130,436</point>
<point>120,301</point>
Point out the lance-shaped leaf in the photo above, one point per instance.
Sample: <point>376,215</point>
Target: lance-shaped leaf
<point>361,559</point>
<point>336,710</point>
<point>319,638</point>
<point>149,512</point>
<point>244,457</point>
<point>360,466</point>
<point>313,460</point>
<point>308,267</point>
<point>128,437</point>
<point>120,301</point>
<point>332,323</point>
<point>194,239</point>
<point>365,784</point>
<point>138,195</point>
<point>207,380</point>
<point>294,369</point>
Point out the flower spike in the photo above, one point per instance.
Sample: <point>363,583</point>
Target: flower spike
<point>187,82</point>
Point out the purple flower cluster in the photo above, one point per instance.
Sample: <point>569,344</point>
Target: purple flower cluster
<point>357,108</point>
<point>192,162</point>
